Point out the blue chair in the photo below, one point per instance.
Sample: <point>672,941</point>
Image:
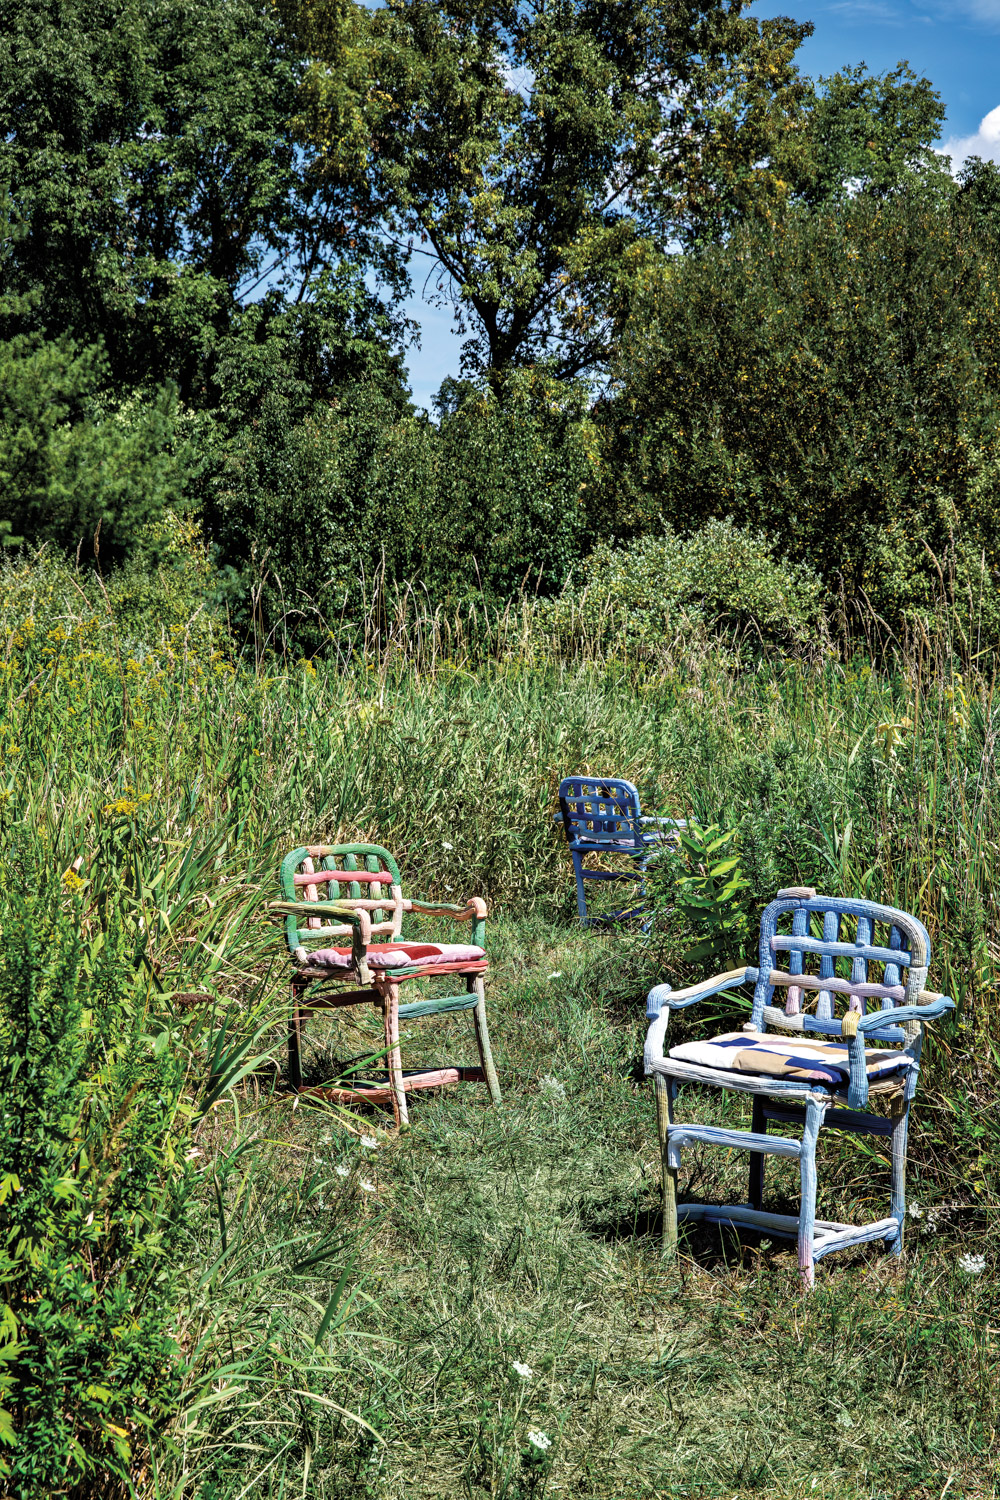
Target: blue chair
<point>601,815</point>
<point>806,1077</point>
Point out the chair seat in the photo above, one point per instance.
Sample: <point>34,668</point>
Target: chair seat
<point>813,1058</point>
<point>400,956</point>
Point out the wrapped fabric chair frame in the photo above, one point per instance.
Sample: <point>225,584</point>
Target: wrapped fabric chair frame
<point>803,1064</point>
<point>353,892</point>
<point>601,816</point>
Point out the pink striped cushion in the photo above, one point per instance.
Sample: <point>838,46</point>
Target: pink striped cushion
<point>400,955</point>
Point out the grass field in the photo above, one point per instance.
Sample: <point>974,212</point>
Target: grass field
<point>350,1306</point>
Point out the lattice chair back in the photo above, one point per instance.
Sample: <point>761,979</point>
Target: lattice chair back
<point>834,961</point>
<point>601,814</point>
<point>363,876</point>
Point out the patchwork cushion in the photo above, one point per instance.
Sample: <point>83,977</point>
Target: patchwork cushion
<point>815,1059</point>
<point>400,955</point>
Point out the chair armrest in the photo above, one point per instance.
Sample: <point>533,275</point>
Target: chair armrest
<point>665,999</point>
<point>930,1007</point>
<point>933,1006</point>
<point>473,910</point>
<point>359,922</point>
<point>308,909</point>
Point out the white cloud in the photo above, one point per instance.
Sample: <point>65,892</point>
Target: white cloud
<point>869,10</point>
<point>985,142</point>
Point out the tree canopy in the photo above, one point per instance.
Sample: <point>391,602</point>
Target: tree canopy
<point>532,155</point>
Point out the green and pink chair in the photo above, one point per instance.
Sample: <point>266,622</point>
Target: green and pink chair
<point>343,906</point>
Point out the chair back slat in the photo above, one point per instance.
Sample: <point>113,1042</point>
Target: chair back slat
<point>831,955</point>
<point>600,813</point>
<point>793,1001</point>
<point>893,972</point>
<point>827,957</point>
<point>859,965</point>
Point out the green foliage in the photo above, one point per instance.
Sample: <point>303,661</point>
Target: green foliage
<point>318,515</point>
<point>832,381</point>
<point>95,1192</point>
<point>536,150</point>
<point>72,460</point>
<point>697,896</point>
<point>149,176</point>
<point>720,577</point>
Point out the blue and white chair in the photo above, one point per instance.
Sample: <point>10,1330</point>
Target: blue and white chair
<point>801,1063</point>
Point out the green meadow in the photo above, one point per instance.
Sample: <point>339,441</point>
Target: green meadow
<point>213,1289</point>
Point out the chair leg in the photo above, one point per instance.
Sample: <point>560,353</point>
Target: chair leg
<point>390,1010</point>
<point>758,1124</point>
<point>665,1088</point>
<point>900,1131</point>
<point>477,986</point>
<point>807,1209</point>
<point>581,894</point>
<point>295,1039</point>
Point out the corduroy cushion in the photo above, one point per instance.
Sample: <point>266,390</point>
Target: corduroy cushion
<point>814,1059</point>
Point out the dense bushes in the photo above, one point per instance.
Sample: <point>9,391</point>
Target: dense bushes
<point>74,458</point>
<point>719,577</point>
<point>833,380</point>
<point>93,1191</point>
<point>317,510</point>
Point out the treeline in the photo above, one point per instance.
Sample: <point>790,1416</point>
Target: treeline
<point>749,296</point>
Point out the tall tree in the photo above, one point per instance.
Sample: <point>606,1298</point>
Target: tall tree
<point>150,176</point>
<point>533,152</point>
<point>533,155</point>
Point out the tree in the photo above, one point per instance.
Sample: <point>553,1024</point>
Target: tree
<point>832,380</point>
<point>540,153</point>
<point>150,175</point>
<point>70,465</point>
<point>536,152</point>
<point>807,144</point>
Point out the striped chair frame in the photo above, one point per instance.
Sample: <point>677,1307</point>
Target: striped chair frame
<point>373,907</point>
<point>904,1009</point>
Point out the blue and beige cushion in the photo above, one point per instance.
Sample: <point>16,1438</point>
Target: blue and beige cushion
<point>814,1059</point>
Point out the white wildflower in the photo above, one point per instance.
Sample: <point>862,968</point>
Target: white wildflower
<point>915,1211</point>
<point>539,1439</point>
<point>552,1089</point>
<point>556,975</point>
<point>342,1171</point>
<point>446,846</point>
<point>369,1143</point>
<point>972,1265</point>
<point>366,1187</point>
<point>525,1371</point>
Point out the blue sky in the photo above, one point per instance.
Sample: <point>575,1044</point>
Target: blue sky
<point>954,43</point>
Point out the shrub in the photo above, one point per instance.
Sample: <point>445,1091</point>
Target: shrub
<point>71,460</point>
<point>94,1195</point>
<point>721,577</point>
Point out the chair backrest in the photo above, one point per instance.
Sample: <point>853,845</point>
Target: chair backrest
<point>600,812</point>
<point>825,953</point>
<point>363,875</point>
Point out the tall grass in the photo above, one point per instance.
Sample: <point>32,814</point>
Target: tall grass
<point>352,1314</point>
